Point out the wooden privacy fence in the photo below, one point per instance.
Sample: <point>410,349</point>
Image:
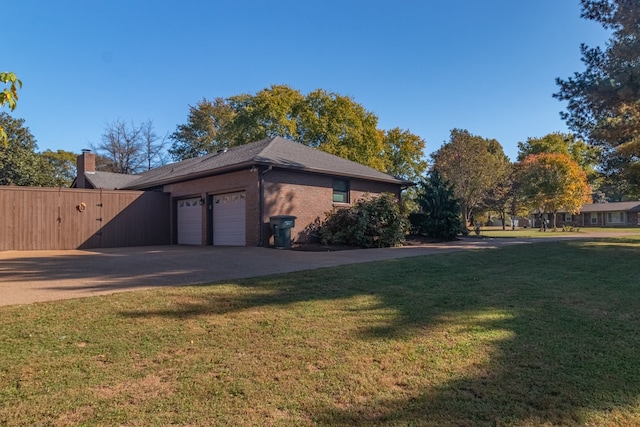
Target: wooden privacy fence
<point>68,218</point>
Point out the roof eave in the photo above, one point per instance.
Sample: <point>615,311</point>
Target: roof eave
<point>248,164</point>
<point>390,180</point>
<point>192,176</point>
<point>610,207</point>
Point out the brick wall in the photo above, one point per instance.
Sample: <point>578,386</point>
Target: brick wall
<point>310,196</point>
<point>584,219</point>
<point>361,188</point>
<point>306,196</point>
<point>245,180</point>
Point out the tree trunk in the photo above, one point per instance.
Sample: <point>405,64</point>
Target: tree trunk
<point>466,213</point>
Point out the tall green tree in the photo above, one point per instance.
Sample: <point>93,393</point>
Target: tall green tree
<point>202,134</point>
<point>604,99</point>
<point>403,153</point>
<point>324,120</point>
<point>439,214</point>
<point>274,111</point>
<point>473,165</point>
<point>61,166</point>
<point>338,125</point>
<point>8,96</point>
<point>20,164</point>
<point>612,184</point>
<point>500,198</point>
<point>551,182</point>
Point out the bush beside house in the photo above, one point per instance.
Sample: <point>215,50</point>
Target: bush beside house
<point>372,222</point>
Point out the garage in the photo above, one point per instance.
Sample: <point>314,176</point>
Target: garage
<point>189,213</point>
<point>229,219</point>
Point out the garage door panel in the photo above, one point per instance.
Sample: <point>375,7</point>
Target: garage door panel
<point>189,212</point>
<point>229,219</point>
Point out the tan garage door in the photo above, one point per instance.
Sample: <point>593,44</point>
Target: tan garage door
<point>189,222</point>
<point>229,219</point>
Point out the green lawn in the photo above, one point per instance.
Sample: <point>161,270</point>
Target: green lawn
<point>529,335</point>
<point>494,231</point>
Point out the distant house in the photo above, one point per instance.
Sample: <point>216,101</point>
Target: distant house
<point>615,214</point>
<point>227,197</point>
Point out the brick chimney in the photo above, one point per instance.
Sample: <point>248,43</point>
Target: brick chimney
<point>86,164</point>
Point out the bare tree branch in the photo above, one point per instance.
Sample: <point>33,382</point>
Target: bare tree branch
<point>130,148</point>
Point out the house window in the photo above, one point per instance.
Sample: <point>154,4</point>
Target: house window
<point>615,217</point>
<point>568,217</point>
<point>594,218</point>
<point>340,191</point>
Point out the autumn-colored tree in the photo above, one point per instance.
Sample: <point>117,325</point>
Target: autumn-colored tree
<point>473,165</point>
<point>586,156</point>
<point>551,182</point>
<point>8,96</point>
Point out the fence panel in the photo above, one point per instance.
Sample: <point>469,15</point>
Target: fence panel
<point>69,218</point>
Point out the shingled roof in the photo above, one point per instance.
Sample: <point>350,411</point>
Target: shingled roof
<point>612,207</point>
<point>276,152</point>
<point>109,180</point>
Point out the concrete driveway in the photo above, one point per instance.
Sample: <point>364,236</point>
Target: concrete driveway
<point>32,276</point>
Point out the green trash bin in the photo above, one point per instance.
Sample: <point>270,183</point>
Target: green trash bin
<point>281,226</point>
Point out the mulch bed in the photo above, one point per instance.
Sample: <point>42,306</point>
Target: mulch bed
<point>319,247</point>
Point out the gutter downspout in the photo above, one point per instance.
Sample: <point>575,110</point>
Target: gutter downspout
<point>262,174</point>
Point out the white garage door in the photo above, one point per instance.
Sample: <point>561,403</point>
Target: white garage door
<point>189,222</point>
<point>229,225</point>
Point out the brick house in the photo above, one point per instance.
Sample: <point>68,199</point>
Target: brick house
<point>615,214</point>
<point>227,198</point>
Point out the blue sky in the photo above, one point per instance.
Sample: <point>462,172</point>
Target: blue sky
<point>425,65</point>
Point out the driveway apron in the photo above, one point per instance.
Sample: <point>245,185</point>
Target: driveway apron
<point>34,276</point>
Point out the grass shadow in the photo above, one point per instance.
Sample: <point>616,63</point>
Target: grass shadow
<point>547,334</point>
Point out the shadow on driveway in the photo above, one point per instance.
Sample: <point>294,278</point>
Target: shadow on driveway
<point>32,276</point>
